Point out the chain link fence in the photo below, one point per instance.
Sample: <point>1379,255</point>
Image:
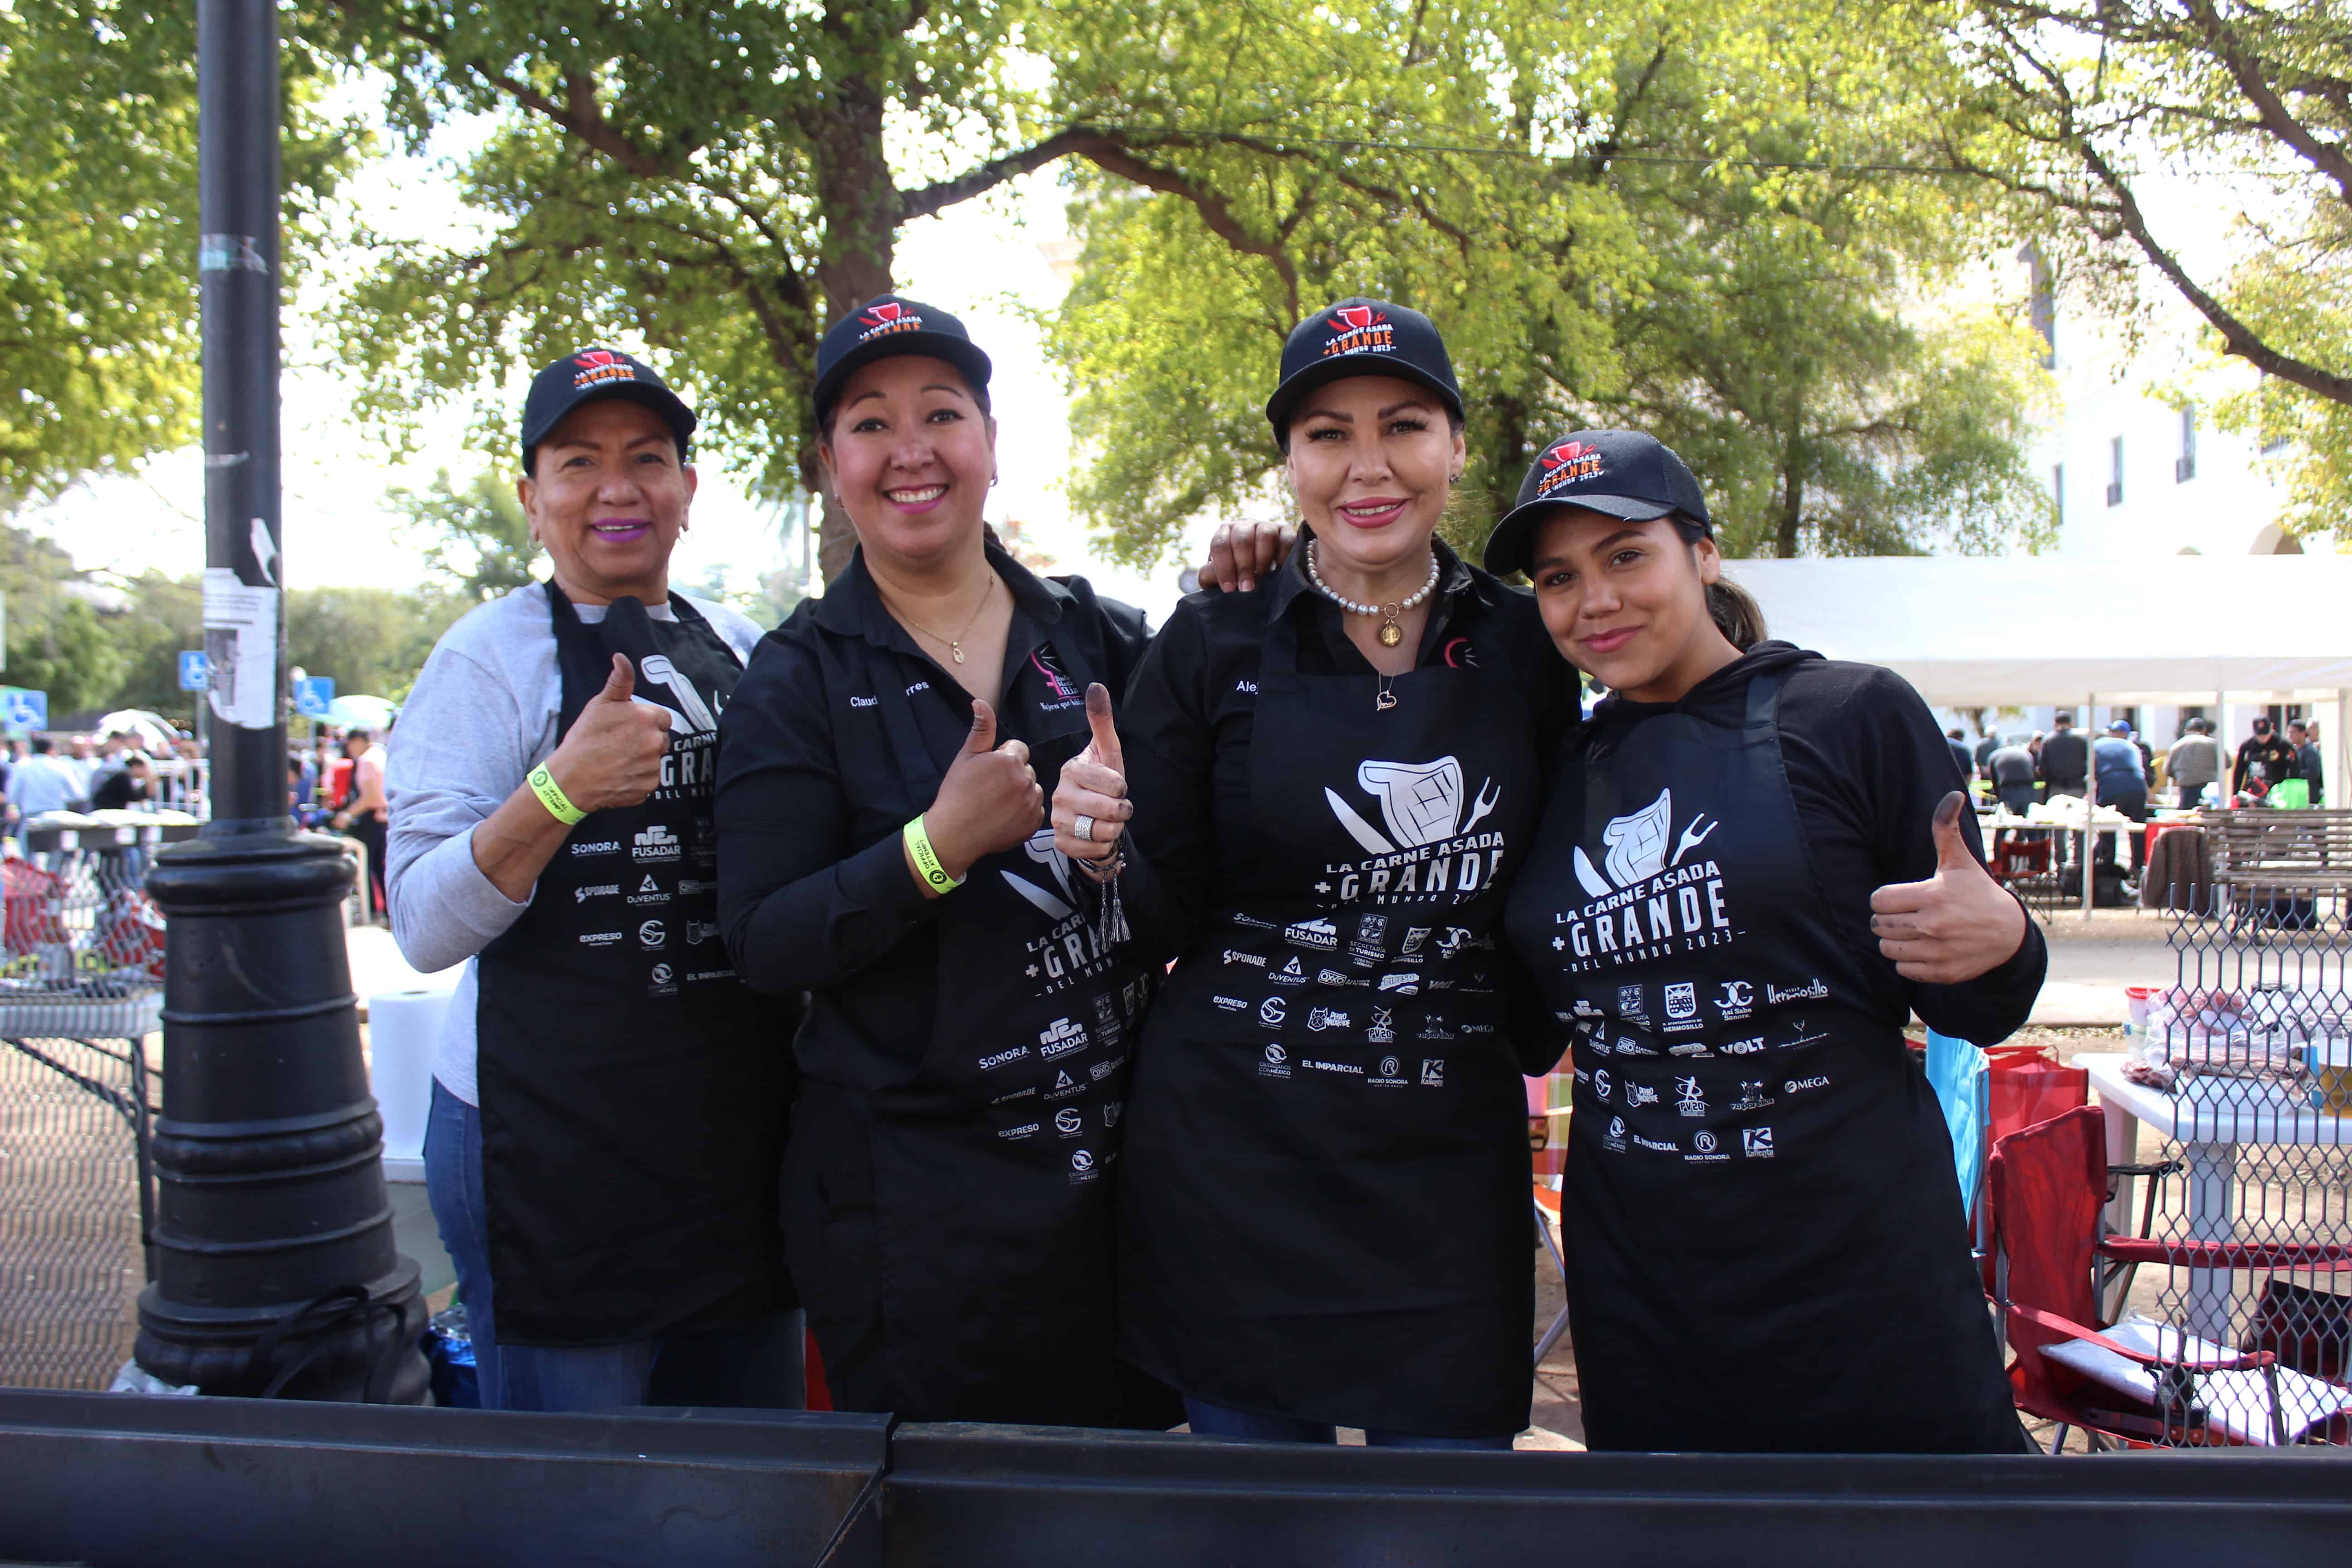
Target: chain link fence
<point>2240,1084</point>
<point>81,968</point>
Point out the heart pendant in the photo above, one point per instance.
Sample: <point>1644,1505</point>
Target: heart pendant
<point>1385,700</point>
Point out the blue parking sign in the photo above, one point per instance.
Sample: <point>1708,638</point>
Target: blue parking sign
<point>314,695</point>
<point>21,710</point>
<point>196,670</point>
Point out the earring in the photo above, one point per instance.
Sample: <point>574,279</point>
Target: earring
<point>993,478</point>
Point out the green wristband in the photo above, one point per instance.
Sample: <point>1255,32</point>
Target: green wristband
<point>927,859</point>
<point>551,796</point>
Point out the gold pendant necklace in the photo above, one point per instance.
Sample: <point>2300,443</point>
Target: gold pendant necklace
<point>955,643</point>
<point>1390,634</point>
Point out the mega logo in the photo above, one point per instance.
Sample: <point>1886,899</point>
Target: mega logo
<point>1566,463</point>
<point>599,366</point>
<point>1359,330</point>
<point>886,317</point>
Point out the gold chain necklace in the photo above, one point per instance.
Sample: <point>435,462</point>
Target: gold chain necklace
<point>955,643</point>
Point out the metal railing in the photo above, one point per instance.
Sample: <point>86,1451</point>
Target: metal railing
<point>81,957</point>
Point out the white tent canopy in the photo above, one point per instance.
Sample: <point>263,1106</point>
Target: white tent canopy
<point>2013,630</point>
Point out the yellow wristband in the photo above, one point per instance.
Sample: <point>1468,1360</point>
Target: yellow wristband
<point>927,859</point>
<point>551,796</point>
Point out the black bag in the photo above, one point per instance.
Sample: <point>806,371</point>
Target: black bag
<point>2309,1330</point>
<point>2106,887</point>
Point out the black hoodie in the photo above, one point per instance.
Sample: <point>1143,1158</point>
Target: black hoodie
<point>1867,766</point>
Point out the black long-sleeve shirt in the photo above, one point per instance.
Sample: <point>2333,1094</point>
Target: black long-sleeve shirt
<point>2268,758</point>
<point>814,890</point>
<point>1867,768</point>
<point>2065,763</point>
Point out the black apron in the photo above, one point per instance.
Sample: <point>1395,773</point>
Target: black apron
<point>633,1092</point>
<point>957,1223</point>
<point>1326,1207</point>
<point>1764,1237</point>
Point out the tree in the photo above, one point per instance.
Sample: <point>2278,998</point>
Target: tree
<point>717,184</point>
<point>1676,216</point>
<point>57,639</point>
<point>166,617</point>
<point>2082,104</point>
<point>99,341</point>
<point>476,537</point>
<point>369,640</point>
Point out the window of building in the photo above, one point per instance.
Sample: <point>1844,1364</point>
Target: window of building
<point>2115,471</point>
<point>2184,466</point>
<point>2058,491</point>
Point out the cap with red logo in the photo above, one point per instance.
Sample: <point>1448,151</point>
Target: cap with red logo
<point>891,325</point>
<point>1618,473</point>
<point>587,376</point>
<point>1359,337</point>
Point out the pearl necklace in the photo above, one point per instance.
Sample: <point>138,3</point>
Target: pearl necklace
<point>1391,633</point>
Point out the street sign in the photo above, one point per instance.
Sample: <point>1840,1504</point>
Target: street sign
<point>196,670</point>
<point>314,695</point>
<point>21,710</point>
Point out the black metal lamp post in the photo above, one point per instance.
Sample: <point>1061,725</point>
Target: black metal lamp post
<point>276,1270</point>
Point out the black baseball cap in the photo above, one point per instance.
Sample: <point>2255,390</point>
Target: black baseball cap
<point>585,377</point>
<point>1359,337</point>
<point>891,325</point>
<point>1618,473</point>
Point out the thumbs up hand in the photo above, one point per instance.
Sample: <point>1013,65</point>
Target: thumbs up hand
<point>1093,788</point>
<point>613,754</point>
<point>990,800</point>
<point>1959,923</point>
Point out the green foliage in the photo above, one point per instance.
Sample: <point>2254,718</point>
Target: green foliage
<point>166,617</point>
<point>57,641</point>
<point>715,190</point>
<point>99,342</point>
<point>2079,104</point>
<point>372,641</point>
<point>1668,216</point>
<point>475,537</point>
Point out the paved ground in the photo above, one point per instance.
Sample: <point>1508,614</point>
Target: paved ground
<point>2091,961</point>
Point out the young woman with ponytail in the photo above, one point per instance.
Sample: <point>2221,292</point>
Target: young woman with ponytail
<point>1752,869</point>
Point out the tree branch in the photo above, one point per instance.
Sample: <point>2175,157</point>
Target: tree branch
<point>2275,116</point>
<point>928,200</point>
<point>2237,338</point>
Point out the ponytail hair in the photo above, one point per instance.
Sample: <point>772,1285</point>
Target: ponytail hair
<point>1733,608</point>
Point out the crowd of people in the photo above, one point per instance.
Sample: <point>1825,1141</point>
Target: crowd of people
<point>1072,1024</point>
<point>117,771</point>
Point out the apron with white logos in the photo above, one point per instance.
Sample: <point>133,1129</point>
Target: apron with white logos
<point>1325,1213</point>
<point>1765,1243</point>
<point>634,1092</point>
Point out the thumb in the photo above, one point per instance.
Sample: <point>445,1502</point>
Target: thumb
<point>1105,734</point>
<point>1952,851</point>
<point>983,728</point>
<point>621,683</point>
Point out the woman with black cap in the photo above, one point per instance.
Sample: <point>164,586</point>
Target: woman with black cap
<point>882,847</point>
<point>1324,1209</point>
<point>1752,868</point>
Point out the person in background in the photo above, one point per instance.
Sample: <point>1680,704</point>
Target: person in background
<point>81,757</point>
<point>1983,754</point>
<point>2264,759</point>
<point>2304,739</point>
<point>2011,768</point>
<point>44,782</point>
<point>2065,759</point>
<point>2194,762</point>
<point>363,813</point>
<point>131,783</point>
<point>1962,758</point>
<point>2123,784</point>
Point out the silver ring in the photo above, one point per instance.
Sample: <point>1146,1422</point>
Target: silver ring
<point>1083,828</point>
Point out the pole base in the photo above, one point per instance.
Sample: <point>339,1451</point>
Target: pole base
<point>275,1265</point>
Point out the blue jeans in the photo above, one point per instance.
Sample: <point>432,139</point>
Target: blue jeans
<point>757,1365</point>
<point>1216,1421</point>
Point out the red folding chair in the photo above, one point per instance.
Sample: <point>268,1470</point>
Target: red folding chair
<point>2048,1184</point>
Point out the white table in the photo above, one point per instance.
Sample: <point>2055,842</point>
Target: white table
<point>2209,1130</point>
